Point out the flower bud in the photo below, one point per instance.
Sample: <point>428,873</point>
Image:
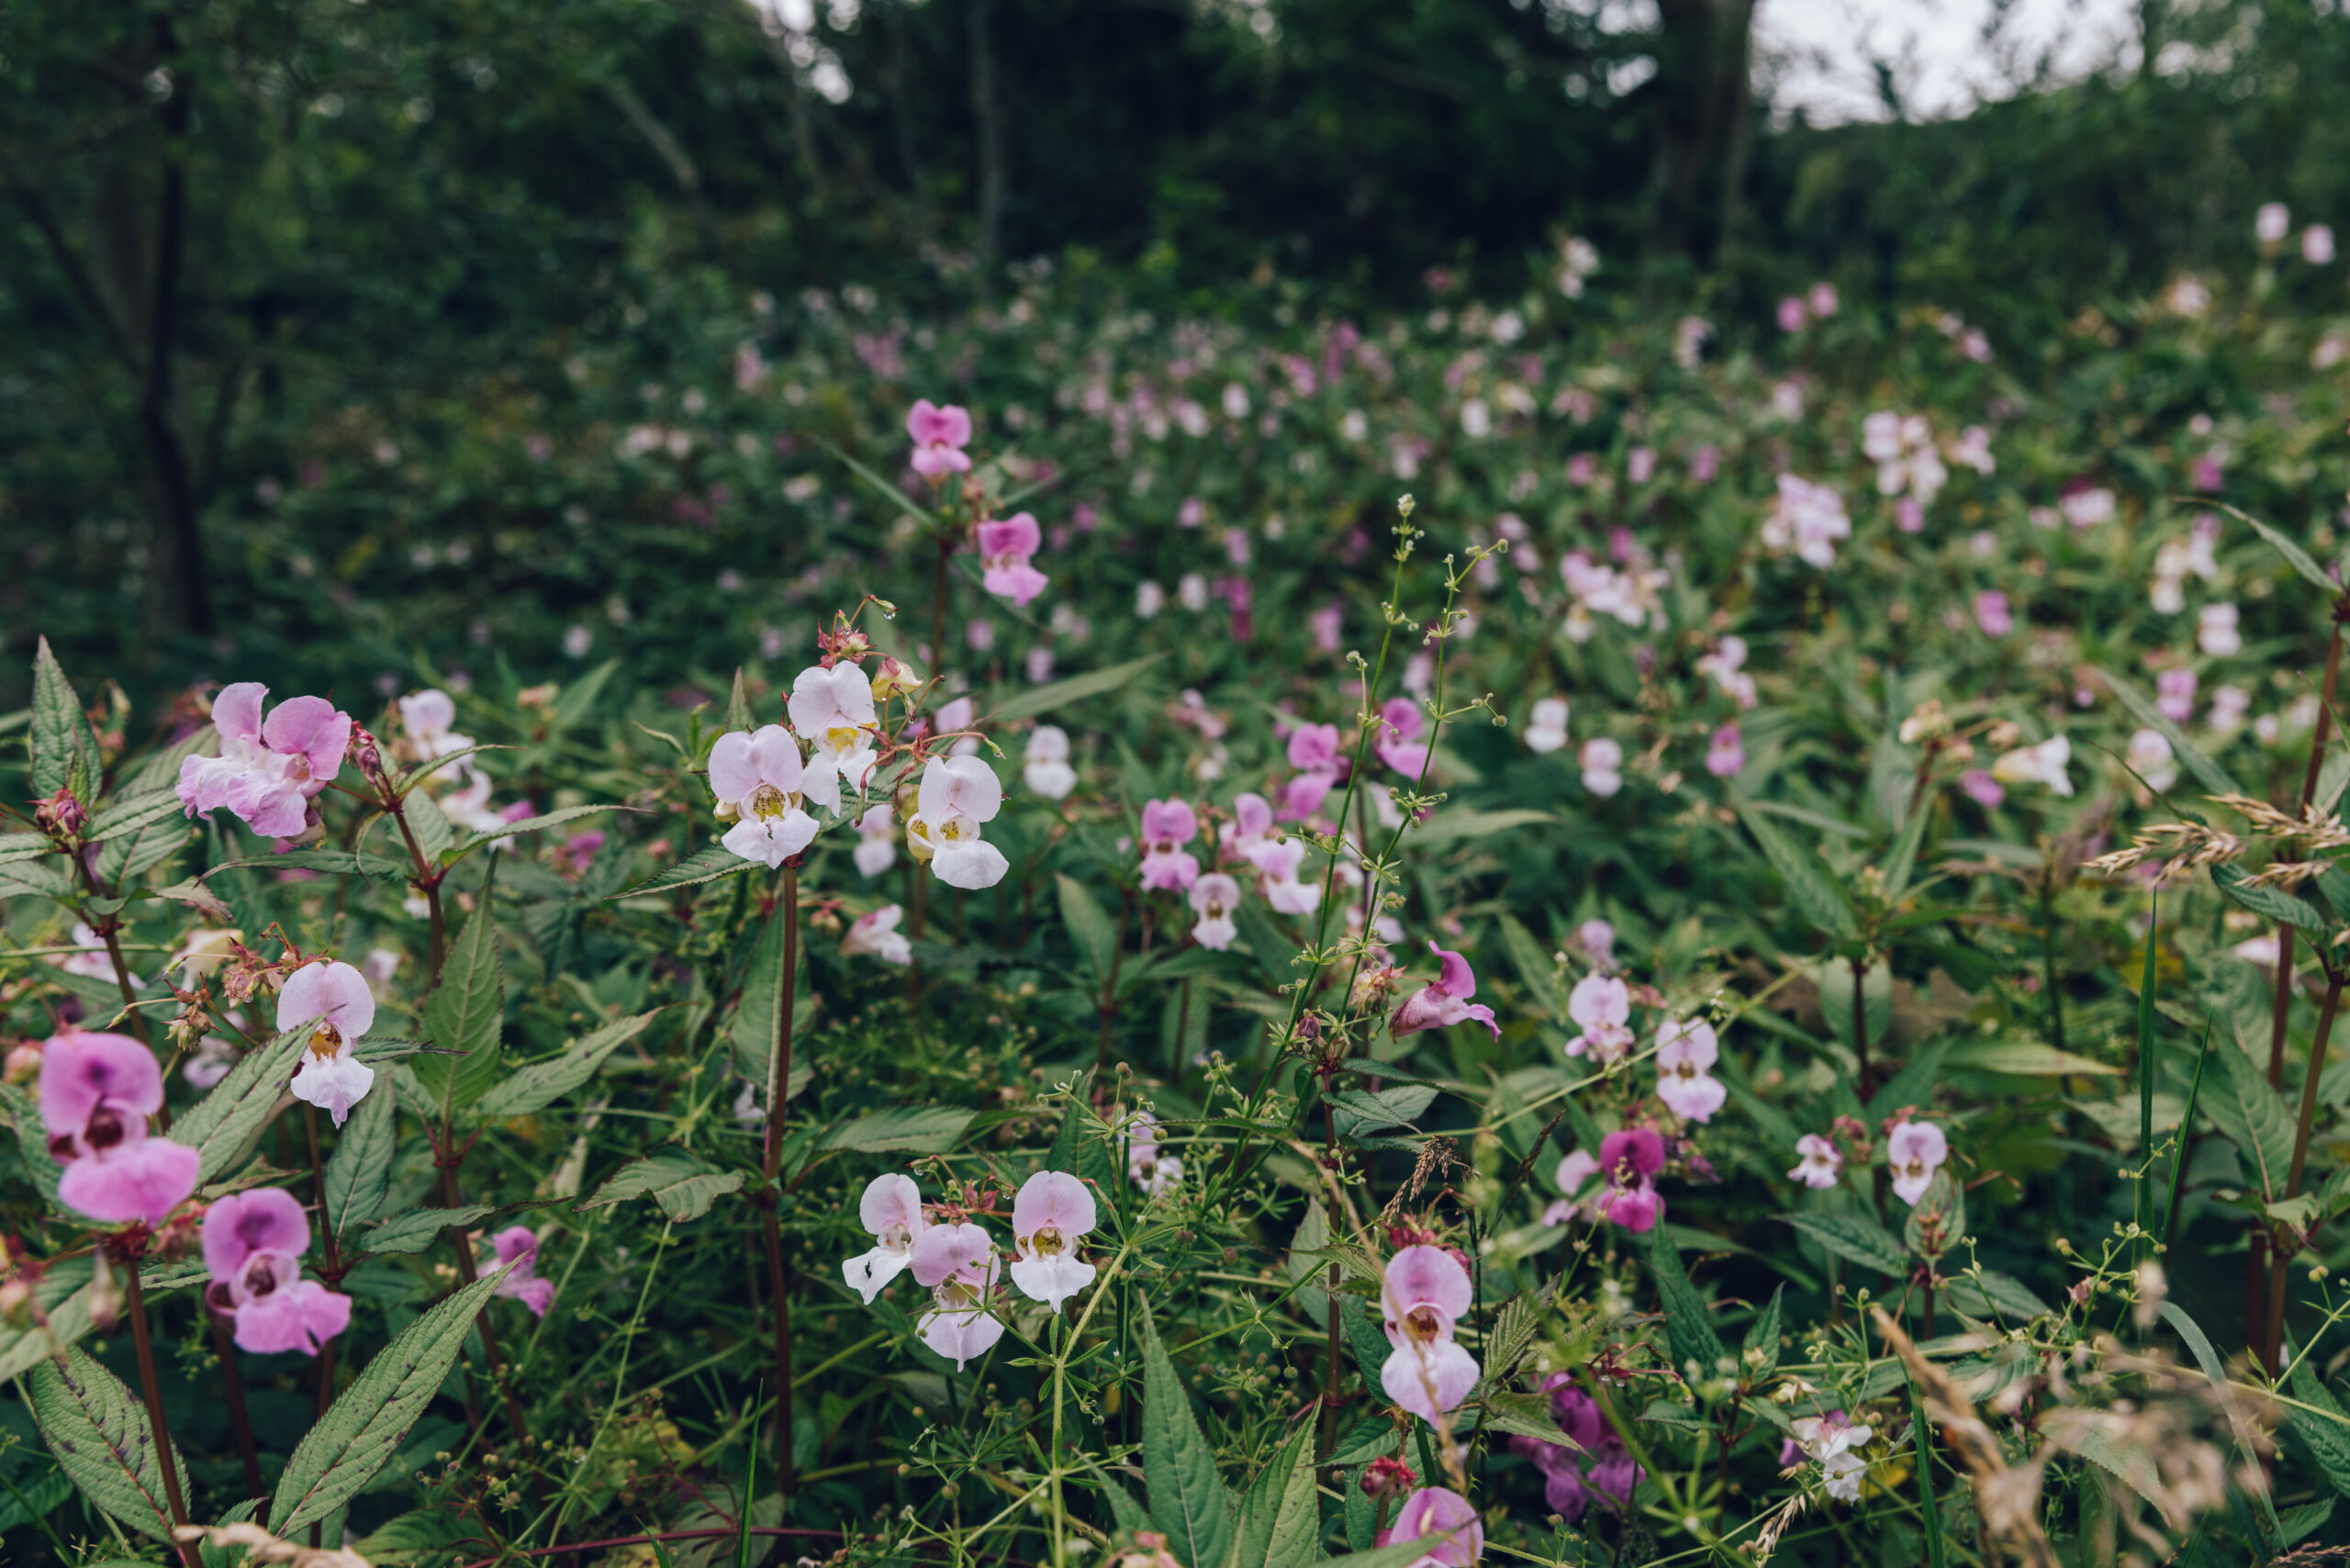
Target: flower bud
<point>894,677</point>
<point>24,1062</point>
<point>1387,1477</point>
<point>60,815</point>
<point>106,1297</point>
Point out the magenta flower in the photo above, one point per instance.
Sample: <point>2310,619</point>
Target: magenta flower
<point>1725,753</point>
<point>1302,795</point>
<point>758,780</point>
<point>1167,827</point>
<point>1574,1174</point>
<point>1588,1441</point>
<point>1793,314</point>
<point>1817,1161</point>
<point>267,771</point>
<point>1444,1519</point>
<point>1630,1160</point>
<point>939,436</point>
<point>1052,1213</point>
<point>1426,1292</point>
<point>253,1244</point>
<point>1977,784</point>
<point>958,1264</point>
<point>96,1092</point>
<point>1445,1002</point>
<point>333,1002</point>
<point>958,795</point>
<point>890,1212</point>
<point>1915,1150</point>
<point>2175,694</point>
<point>1250,831</point>
<point>1400,725</point>
<point>1004,550</point>
<point>1992,614</point>
<point>1684,1050</point>
<point>1602,1004</point>
<point>1215,896</point>
<point>1313,747</point>
<point>519,1244</point>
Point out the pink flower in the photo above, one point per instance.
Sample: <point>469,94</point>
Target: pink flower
<point>1004,549</point>
<point>1602,1004</point>
<point>2175,694</point>
<point>1167,827</point>
<point>1588,1442</point>
<point>266,772</point>
<point>1146,1167</point>
<point>1684,1050</point>
<point>877,840</point>
<point>519,1244</point>
<point>758,780</point>
<point>1991,613</point>
<point>1426,1292</point>
<point>252,1245</point>
<point>1630,1160</point>
<point>1446,1003</point>
<point>1818,1163</point>
<point>1915,1150</point>
<point>1215,896</point>
<point>1249,833</point>
<point>1444,1519</point>
<point>876,935</point>
<point>1597,939</point>
<point>1725,753</point>
<point>1051,1213</point>
<point>334,1003</point>
<point>1303,796</point>
<point>890,1212</point>
<point>1979,787</point>
<point>958,1264</point>
<point>1602,761</point>
<point>96,1092</point>
<point>939,436</point>
<point>1400,726</point>
<point>1574,1174</point>
<point>1044,766</point>
<point>1823,300</point>
<point>1793,316</point>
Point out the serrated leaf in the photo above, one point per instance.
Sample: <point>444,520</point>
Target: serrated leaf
<point>61,735</point>
<point>364,1429</point>
<point>1402,1555</point>
<point>471,842</point>
<point>1370,1438</point>
<point>358,1172</point>
<point>1367,1342</point>
<point>2327,1435</point>
<point>130,812</point>
<point>758,1017</point>
<point>223,1126</point>
<point>33,880</point>
<point>1280,1523</point>
<point>1360,1112</point>
<point>2269,903</point>
<point>2252,1116</point>
<point>1937,1220</point>
<point>2215,780</point>
<point>1522,1415</point>
<point>1814,890</point>
<point>326,862</point>
<point>739,717</point>
<point>196,896</point>
<point>682,1186</point>
<point>1513,1332</point>
<point>466,1013</point>
<point>1187,1498</point>
<point>1075,689</point>
<point>703,865</point>
<point>911,1129</point>
<point>420,1228</point>
<point>33,1140</point>
<point>1997,1295</point>
<point>1856,1240</point>
<point>430,824</point>
<point>1088,924</point>
<point>1761,1340</point>
<point>99,1432</point>
<point>1688,1323</point>
<point>2021,1059</point>
<point>16,846</point>
<point>64,1296</point>
<point>542,1083</point>
<point>1124,1510</point>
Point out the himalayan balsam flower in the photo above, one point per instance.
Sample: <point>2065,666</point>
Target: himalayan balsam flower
<point>334,1002</point>
<point>958,1264</point>
<point>1051,1216</point>
<point>1602,1005</point>
<point>1285,891</point>
<point>1167,827</point>
<point>1979,787</point>
<point>2316,245</point>
<point>1915,1150</point>
<point>1602,762</point>
<point>876,839</point>
<point>875,935</point>
<point>96,1092</point>
<point>939,436</point>
<point>1248,833</point>
<point>1004,550</point>
<point>2042,763</point>
<point>958,795</point>
<point>1397,739</point>
<point>2175,694</point>
<point>1044,768</point>
<point>2151,758</point>
<point>1597,940</point>
<point>2215,631</point>
<point>519,1244</point>
<point>267,771</point>
<point>1726,752</point>
<point>1817,1161</point>
<point>758,782</point>
<point>890,1212</point>
<point>1726,665</point>
<point>1426,1292</point>
<point>1444,1520</point>
<point>1444,1002</point>
<point>1574,1173</point>
<point>1567,1486</point>
<point>1146,1165</point>
<point>1808,519</point>
<point>1546,732</point>
<point>1215,896</point>
<point>1630,1161</point>
<point>253,1243</point>
<point>1684,1050</point>
<point>1992,614</point>
<point>2272,222</point>
<point>831,709</point>
<point>1831,1439</point>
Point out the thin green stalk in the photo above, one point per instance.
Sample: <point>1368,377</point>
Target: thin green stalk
<point>2186,1128</point>
<point>2281,1261</point>
<point>1921,1443</point>
<point>620,1378</point>
<point>2146,1051</point>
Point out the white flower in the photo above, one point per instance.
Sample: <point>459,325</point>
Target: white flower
<point>1215,896</point>
<point>1045,768</point>
<point>1547,730</point>
<point>2215,631</point>
<point>891,1211</point>
<point>2042,763</point>
<point>2150,757</point>
<point>877,840</point>
<point>1818,1164</point>
<point>1602,761</point>
<point>877,935</point>
<point>958,795</point>
<point>831,709</point>
<point>758,777</point>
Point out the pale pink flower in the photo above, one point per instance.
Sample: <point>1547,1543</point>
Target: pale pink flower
<point>266,772</point>
<point>1167,827</point>
<point>1313,747</point>
<point>758,780</point>
<point>1575,1174</point>
<point>2260,951</point>
<point>1915,1150</point>
<point>1004,551</point>
<point>1979,787</point>
<point>831,709</point>
<point>425,721</point>
<point>958,795</point>
<point>1044,766</point>
<point>1546,730</point>
<point>1823,300</point>
<point>2215,631</point>
<point>877,935</point>
<point>1397,739</point>
<point>939,436</point>
<point>1447,1520</point>
<point>1597,940</point>
<point>876,839</point>
<point>334,1002</point>
<point>2150,757</point>
<point>1146,1165</point>
<point>2272,222</point>
<point>253,1242</point>
<point>958,1264</point>
<point>2175,694</point>
<point>1685,1048</point>
<point>519,1244</point>
<point>1285,891</point>
<point>1602,1005</point>
<point>1249,833</point>
<point>1726,752</point>
<point>96,1092</point>
<point>890,1212</point>
<point>1051,1213</point>
<point>2316,245</point>
<point>1215,896</point>
<point>1793,316</point>
<point>2043,763</point>
<point>1808,519</point>
<point>1991,613</point>
<point>1445,1002</point>
<point>1817,1161</point>
<point>1602,760</point>
<point>1426,1292</point>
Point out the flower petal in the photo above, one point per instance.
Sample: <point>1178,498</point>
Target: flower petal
<point>266,1219</point>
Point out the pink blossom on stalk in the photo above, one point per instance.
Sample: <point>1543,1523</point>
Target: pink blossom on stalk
<point>1250,831</point>
<point>939,436</point>
<point>890,1212</point>
<point>267,771</point>
<point>96,1092</point>
<point>2175,694</point>
<point>1447,1520</point>
<point>1215,896</point>
<point>1991,613</point>
<point>1044,766</point>
<point>758,780</point>
<point>1400,725</point>
<point>1004,550</point>
<point>1052,1213</point>
<point>1915,1150</point>
<point>1793,316</point>
<point>333,1002</point>
<point>253,1243</point>
<point>958,795</point>
<point>958,1264</point>
<point>1427,1291</point>
<point>875,935</point>
<point>2316,245</point>
<point>2215,631</point>
<point>1684,1050</point>
<point>519,1244</point>
<point>1823,300</point>
<point>1146,1165</point>
<point>1726,752</point>
<point>1325,624</point>
<point>1602,1005</point>
<point>1978,786</point>
<point>1574,1174</point>
<point>1597,940</point>
<point>831,709</point>
<point>1817,1161</point>
<point>1446,1001</point>
<point>1283,890</point>
<point>1167,827</point>
<point>1313,747</point>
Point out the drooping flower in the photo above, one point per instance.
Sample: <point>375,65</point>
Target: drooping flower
<point>939,435</point>
<point>876,839</point>
<point>2042,763</point>
<point>759,783</point>
<point>1051,1213</point>
<point>1004,550</point>
<point>1585,1465</point>
<point>1819,1161</point>
<point>1285,891</point>
<point>1397,739</point>
<point>958,795</point>
<point>875,935</point>
<point>1045,766</point>
<point>253,1242</point>
<point>890,1212</point>
<point>1630,1160</point>
<point>267,771</point>
<point>425,734</point>
<point>1444,1520</point>
<point>1602,760</point>
<point>1426,1292</point>
<point>831,709</point>
<point>334,1002</point>
<point>1146,1167</point>
<point>1597,939</point>
<point>1726,752</point>
<point>1445,1002</point>
<point>1215,896</point>
<point>1602,1005</point>
<point>1248,832</point>
<point>519,1244</point>
<point>1574,1174</point>
<point>1546,731</point>
<point>958,1265</point>
<point>1915,1150</point>
<point>1313,747</point>
<point>1833,1441</point>
<point>96,1092</point>
<point>1685,1048</point>
<point>1167,827</point>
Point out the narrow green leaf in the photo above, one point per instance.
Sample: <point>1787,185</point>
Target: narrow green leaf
<point>703,865</point>
<point>533,1087</point>
<point>1856,1240</point>
<point>33,880</point>
<point>1124,1511</point>
<point>539,823</point>
<point>1759,1356</point>
<point>913,1129</point>
<point>1814,890</point>
<point>358,1172</point>
<point>1914,1084</point>
<point>682,1186</point>
<point>127,814</point>
<point>906,503</point>
<point>2146,1049</point>
<point>739,717</point>
<point>2252,1116</point>
<point>1075,689</point>
<point>1187,1498</point>
<point>225,1123</point>
<point>326,862</point>
<point>420,1228</point>
<point>2215,780</point>
<point>1996,1295</point>
<point>430,824</point>
<point>99,1432</point>
<point>2021,1059</point>
<point>466,1013</point>
<point>1454,827</point>
<point>1689,1323</point>
<point>758,1017</point>
<point>1536,969</point>
<point>2283,544</point>
<point>1089,924</point>
<point>1902,858</point>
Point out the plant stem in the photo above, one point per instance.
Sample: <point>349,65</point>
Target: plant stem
<point>1860,1027</point>
<point>2146,1054</point>
<point>2272,1342</point>
<point>778,1089</point>
<point>233,1385</point>
<point>427,882</point>
<point>2048,956</point>
<point>166,1457</point>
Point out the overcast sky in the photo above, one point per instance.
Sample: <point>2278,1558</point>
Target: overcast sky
<point>1819,55</point>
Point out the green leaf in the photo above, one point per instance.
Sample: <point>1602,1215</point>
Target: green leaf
<point>44,1495</point>
<point>224,1124</point>
<point>420,1228</point>
<point>1402,1555</point>
<point>1075,689</point>
<point>912,1129</point>
<point>2215,780</point>
<point>1937,1220</point>
<point>128,814</point>
<point>326,862</point>
<point>739,717</point>
<point>1914,1084</point>
<point>2021,1059</point>
<point>1997,1295</point>
<point>63,1294</point>
<point>682,1186</point>
<point>1370,1438</point>
<point>465,1013</point>
<point>2328,1441</point>
<point>1689,1323</point>
<point>703,865</point>
<point>906,503</point>
<point>1521,1414</point>
<point>1761,1341</point>
<point>533,1087</point>
<point>1124,1511</point>
<point>2295,556</point>
<point>430,824</point>
<point>32,880</point>
<point>2254,1118</point>
<point>576,701</point>
<point>1513,1332</point>
<point>32,1139</point>
<point>1902,858</point>
<point>1453,826</point>
<point>1814,890</point>
<point>366,1427</point>
<point>1365,1339</point>
<point>471,842</point>
<point>1088,924</point>
<point>14,846</point>
<point>64,751</point>
<point>2269,903</point>
<point>1854,1239</point>
<point>99,1432</point>
<point>1081,1146</point>
<point>358,1172</point>
<point>1179,1468</point>
<point>758,1017</point>
<point>1280,1521</point>
<point>1536,969</point>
